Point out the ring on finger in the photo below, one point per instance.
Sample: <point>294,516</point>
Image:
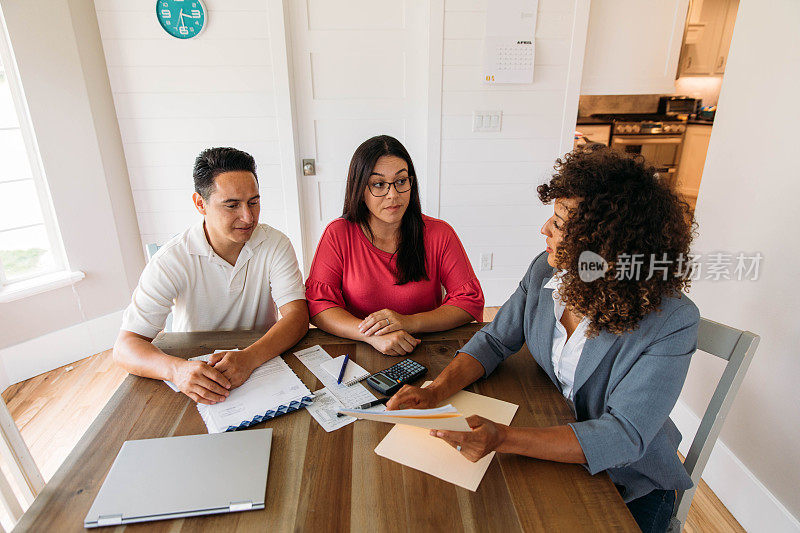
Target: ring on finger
<point>387,322</point>
<point>458,448</point>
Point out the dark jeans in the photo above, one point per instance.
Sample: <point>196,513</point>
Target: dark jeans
<point>653,511</point>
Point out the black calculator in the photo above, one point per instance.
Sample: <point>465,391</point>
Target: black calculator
<point>390,380</point>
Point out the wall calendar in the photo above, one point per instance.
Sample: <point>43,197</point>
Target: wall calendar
<point>509,41</point>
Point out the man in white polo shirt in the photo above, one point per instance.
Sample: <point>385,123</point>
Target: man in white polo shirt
<point>227,272</point>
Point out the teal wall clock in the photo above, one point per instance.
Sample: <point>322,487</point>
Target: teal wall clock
<point>183,19</point>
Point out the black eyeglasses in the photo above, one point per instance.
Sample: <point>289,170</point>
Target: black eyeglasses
<point>381,188</point>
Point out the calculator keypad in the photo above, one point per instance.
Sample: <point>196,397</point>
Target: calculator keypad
<point>403,370</point>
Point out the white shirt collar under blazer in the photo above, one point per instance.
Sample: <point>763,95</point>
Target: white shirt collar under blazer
<point>565,353</point>
<point>595,348</point>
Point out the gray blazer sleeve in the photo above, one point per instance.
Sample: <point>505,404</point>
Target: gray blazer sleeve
<point>505,335</point>
<point>641,402</point>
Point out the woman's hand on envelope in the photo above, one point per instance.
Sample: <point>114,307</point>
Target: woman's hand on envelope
<point>486,436</point>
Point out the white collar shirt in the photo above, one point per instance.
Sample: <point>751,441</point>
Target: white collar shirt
<point>206,293</point>
<point>565,353</point>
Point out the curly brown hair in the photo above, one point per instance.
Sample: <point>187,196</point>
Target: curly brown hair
<point>624,208</point>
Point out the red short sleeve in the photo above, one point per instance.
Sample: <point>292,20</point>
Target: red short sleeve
<point>468,297</point>
<point>324,284</point>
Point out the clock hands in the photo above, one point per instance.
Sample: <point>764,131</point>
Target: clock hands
<point>179,28</point>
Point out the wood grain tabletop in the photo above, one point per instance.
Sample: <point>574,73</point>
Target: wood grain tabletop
<point>335,481</point>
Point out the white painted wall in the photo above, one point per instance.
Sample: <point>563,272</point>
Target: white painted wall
<point>488,180</point>
<point>64,78</point>
<point>747,203</point>
<point>175,98</point>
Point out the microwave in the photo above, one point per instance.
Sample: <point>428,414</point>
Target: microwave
<point>678,105</point>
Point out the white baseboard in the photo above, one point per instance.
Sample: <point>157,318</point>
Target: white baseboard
<point>47,352</point>
<point>748,500</point>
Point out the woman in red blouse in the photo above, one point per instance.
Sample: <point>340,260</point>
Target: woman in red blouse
<point>378,272</point>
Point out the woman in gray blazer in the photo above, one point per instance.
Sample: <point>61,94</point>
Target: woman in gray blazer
<point>602,312</point>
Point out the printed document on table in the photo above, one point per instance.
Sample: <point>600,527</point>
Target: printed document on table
<point>446,417</point>
<point>269,387</point>
<point>325,407</point>
<point>350,396</point>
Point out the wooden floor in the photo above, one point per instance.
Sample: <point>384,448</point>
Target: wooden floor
<point>54,409</point>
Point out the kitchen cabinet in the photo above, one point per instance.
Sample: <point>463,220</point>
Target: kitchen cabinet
<point>633,47</point>
<point>693,160</point>
<point>727,35</point>
<point>708,54</point>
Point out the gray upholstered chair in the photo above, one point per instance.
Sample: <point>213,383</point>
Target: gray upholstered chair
<point>737,347</point>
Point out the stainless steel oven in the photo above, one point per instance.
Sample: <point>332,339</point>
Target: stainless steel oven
<point>663,152</point>
<point>657,138</point>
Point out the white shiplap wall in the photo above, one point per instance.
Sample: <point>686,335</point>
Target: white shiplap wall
<point>488,180</point>
<point>174,98</point>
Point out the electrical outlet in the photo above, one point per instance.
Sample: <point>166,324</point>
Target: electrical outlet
<point>487,121</point>
<point>486,261</point>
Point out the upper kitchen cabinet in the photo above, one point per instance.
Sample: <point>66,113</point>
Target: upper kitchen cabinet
<point>632,47</point>
<point>707,53</point>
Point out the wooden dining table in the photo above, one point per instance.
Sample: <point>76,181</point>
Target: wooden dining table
<point>335,481</point>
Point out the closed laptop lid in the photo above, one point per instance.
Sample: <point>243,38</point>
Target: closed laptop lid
<point>154,479</point>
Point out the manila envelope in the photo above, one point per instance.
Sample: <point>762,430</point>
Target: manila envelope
<point>416,448</point>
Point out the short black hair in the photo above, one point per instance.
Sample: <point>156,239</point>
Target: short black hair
<point>214,161</point>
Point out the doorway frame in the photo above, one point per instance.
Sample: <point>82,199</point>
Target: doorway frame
<point>286,110</point>
<point>280,44</point>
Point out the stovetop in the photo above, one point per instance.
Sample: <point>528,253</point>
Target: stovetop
<point>637,117</point>
<point>644,123</point>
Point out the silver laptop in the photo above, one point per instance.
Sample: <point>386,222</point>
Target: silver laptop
<point>157,479</point>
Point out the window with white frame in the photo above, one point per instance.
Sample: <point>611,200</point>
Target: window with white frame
<point>30,244</point>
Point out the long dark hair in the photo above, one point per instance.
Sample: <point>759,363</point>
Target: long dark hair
<point>410,264</point>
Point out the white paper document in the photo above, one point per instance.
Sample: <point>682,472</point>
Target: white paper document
<point>350,396</point>
<point>446,417</point>
<point>416,448</point>
<point>271,387</point>
<point>353,373</point>
<point>325,407</point>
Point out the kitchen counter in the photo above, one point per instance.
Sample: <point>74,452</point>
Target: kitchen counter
<point>586,121</point>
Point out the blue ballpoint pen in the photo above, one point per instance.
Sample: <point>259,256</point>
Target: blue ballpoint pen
<point>344,365</point>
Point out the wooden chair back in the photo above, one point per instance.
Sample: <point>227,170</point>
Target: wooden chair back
<point>737,347</point>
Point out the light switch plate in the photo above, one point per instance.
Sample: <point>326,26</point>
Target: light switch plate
<point>487,121</point>
<point>486,261</point>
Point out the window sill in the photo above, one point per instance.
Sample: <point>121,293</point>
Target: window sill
<point>38,285</point>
